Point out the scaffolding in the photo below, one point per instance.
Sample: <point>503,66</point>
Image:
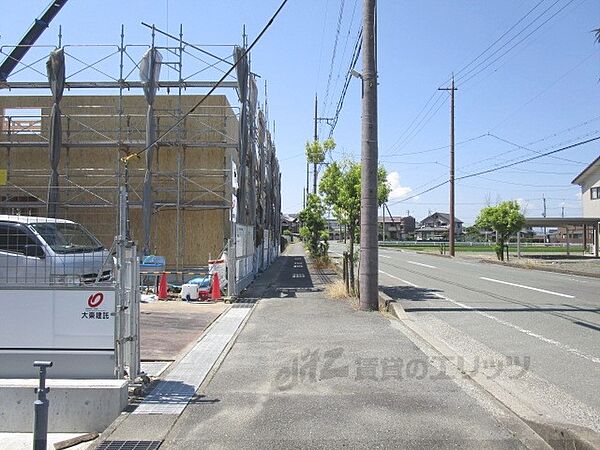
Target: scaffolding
<point>215,170</point>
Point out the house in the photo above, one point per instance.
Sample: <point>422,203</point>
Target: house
<point>435,228</point>
<point>396,228</point>
<point>290,222</point>
<point>589,180</point>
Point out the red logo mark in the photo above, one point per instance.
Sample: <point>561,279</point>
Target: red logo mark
<point>95,299</point>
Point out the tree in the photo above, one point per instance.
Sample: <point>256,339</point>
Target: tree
<point>314,226</point>
<point>505,218</point>
<point>340,187</point>
<point>315,155</point>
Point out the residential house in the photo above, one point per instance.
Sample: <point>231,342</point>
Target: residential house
<point>589,180</point>
<point>290,222</point>
<point>436,228</point>
<point>396,228</point>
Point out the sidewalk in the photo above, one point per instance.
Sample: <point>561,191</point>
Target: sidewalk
<point>310,372</point>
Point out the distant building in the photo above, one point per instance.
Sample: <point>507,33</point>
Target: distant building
<point>290,222</point>
<point>336,231</point>
<point>589,180</point>
<point>396,228</point>
<point>436,226</point>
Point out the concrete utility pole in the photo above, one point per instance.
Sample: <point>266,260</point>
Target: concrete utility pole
<point>369,266</point>
<point>316,138</point>
<point>452,225</point>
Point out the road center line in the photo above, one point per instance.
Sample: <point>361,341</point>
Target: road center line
<point>399,279</point>
<point>421,264</point>
<point>558,344</point>
<point>527,287</point>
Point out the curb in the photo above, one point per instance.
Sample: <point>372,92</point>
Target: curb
<point>559,436</point>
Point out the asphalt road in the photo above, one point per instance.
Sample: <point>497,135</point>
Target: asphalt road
<point>549,321</point>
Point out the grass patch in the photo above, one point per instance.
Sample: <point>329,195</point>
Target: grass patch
<point>336,290</point>
<point>322,262</point>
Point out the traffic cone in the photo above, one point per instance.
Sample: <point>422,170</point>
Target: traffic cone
<point>163,287</point>
<point>215,292</point>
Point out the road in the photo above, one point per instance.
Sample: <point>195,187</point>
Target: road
<point>549,321</point>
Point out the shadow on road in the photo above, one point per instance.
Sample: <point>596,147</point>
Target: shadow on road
<point>410,293</point>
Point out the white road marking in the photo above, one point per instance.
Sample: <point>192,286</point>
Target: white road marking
<point>399,279</point>
<point>384,256</point>
<point>524,330</point>
<point>530,333</point>
<point>527,287</point>
<point>421,264</point>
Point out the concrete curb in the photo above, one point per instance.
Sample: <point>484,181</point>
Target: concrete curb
<point>559,436</point>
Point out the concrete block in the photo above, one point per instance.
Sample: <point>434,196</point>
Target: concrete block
<point>76,406</point>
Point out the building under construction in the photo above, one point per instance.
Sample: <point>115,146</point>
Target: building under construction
<point>199,173</point>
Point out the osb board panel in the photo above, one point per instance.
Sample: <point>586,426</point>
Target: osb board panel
<point>95,118</point>
<point>101,222</point>
<point>201,235</point>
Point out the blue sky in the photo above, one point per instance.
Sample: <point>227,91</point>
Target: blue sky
<point>542,94</point>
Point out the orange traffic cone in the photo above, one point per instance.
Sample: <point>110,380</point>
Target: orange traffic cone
<point>162,287</point>
<point>215,292</point>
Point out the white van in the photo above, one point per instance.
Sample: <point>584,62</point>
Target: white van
<point>47,251</point>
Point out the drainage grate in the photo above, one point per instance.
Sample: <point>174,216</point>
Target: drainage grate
<point>129,445</point>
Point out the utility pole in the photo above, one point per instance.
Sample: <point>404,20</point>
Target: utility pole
<point>383,222</point>
<point>369,265</point>
<point>316,138</point>
<point>452,226</point>
<point>544,214</point>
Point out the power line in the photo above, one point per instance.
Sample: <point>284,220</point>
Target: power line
<point>543,91</point>
<point>333,54</point>
<point>321,47</point>
<point>462,82</point>
<point>494,169</point>
<point>532,158</point>
<point>436,92</point>
<point>423,122</point>
<point>217,84</point>
<point>443,147</point>
<point>353,61</point>
<point>500,38</point>
<point>341,64</point>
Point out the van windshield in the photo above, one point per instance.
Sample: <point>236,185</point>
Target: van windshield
<point>67,237</point>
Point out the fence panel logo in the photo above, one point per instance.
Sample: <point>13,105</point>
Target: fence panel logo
<point>95,300</point>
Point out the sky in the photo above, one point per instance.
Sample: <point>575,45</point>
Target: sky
<point>527,72</point>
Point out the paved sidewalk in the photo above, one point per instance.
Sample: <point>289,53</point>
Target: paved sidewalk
<point>310,372</point>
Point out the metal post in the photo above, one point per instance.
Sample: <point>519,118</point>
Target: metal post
<point>369,267</point>
<point>567,233</point>
<point>40,418</point>
<point>518,244</point>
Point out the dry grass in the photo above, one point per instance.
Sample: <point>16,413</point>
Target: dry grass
<point>322,263</point>
<point>336,290</point>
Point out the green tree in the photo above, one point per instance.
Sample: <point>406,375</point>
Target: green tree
<point>505,218</point>
<point>340,187</point>
<point>314,226</point>
<point>315,155</point>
